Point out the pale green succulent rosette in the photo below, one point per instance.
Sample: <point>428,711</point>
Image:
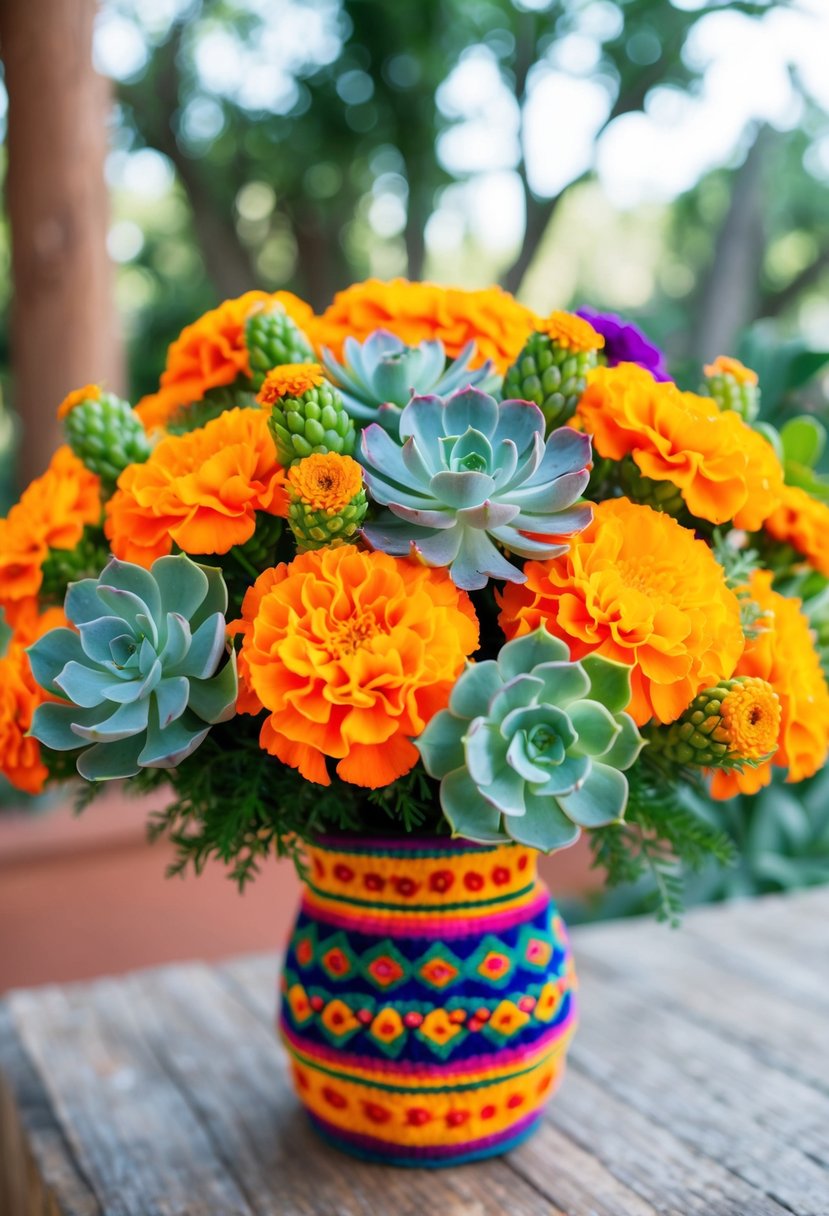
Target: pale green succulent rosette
<point>378,377</point>
<point>533,747</point>
<point>470,476</point>
<point>142,679</point>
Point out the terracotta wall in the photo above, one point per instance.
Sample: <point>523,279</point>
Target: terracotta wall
<point>87,896</point>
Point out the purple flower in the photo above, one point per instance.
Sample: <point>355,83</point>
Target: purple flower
<point>624,342</point>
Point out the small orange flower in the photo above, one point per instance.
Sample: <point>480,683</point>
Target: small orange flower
<point>724,365</point>
<point>783,654</point>
<point>636,587</point>
<point>289,380</point>
<point>572,331</point>
<point>325,482</point>
<point>415,312</point>
<point>201,490</point>
<point>20,757</point>
<point>51,514</point>
<point>89,392</point>
<point>802,522</point>
<point>724,470</point>
<point>212,352</point>
<point>352,653</point>
<point>750,720</point>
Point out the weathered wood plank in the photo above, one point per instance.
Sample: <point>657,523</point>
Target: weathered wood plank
<point>36,1164</point>
<point>716,1097</point>
<point>225,1059</point>
<point>754,1009</point>
<point>648,1158</point>
<point>132,1134</point>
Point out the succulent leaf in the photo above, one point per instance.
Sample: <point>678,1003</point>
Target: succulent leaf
<point>378,377</point>
<point>143,676</point>
<point>463,479</point>
<point>528,749</point>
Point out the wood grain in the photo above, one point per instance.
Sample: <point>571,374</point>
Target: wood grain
<point>698,1086</point>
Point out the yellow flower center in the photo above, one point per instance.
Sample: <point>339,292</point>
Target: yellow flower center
<point>750,716</point>
<point>724,365</point>
<point>350,635</point>
<point>572,332</point>
<point>325,482</point>
<point>290,380</point>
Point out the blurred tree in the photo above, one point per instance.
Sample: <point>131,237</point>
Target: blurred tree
<point>299,176</point>
<point>65,329</point>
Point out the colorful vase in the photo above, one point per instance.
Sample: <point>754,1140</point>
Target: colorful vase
<point>428,997</point>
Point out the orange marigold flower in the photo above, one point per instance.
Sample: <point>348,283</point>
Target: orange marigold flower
<point>89,392</point>
<point>572,331</point>
<point>415,312</point>
<point>52,513</point>
<point>750,717</point>
<point>802,522</point>
<point>212,352</point>
<point>783,654</point>
<point>20,757</point>
<point>352,653</point>
<point>325,482</point>
<point>201,490</point>
<point>290,380</point>
<point>636,587</point>
<point>724,470</point>
<point>724,365</point>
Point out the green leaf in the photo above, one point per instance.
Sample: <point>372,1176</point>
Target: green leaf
<point>52,724</point>
<point>627,745</point>
<point>50,654</point>
<point>214,700</point>
<point>596,727</point>
<point>609,682</point>
<point>476,686</point>
<point>543,827</point>
<point>468,813</point>
<point>182,584</point>
<point>521,655</point>
<point>601,800</point>
<point>563,683</point>
<point>166,747</point>
<point>441,744</point>
<point>803,439</point>
<point>110,761</point>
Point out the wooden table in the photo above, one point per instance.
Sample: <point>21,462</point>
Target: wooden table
<point>698,1086</point>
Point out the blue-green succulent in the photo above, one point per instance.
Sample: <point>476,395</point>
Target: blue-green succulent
<point>469,476</point>
<point>378,377</point>
<point>145,672</point>
<point>532,747</point>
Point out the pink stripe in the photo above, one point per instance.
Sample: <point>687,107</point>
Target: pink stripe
<point>437,926</point>
<point>494,1059</point>
<point>400,844</point>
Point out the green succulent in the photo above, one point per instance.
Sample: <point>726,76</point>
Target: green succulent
<point>140,678</point>
<point>550,375</point>
<point>273,338</point>
<point>315,421</point>
<point>732,392</point>
<point>378,377</point>
<point>106,434</point>
<point>532,745</point>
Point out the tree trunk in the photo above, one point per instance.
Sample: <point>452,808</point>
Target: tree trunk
<point>64,325</point>
<point>728,299</point>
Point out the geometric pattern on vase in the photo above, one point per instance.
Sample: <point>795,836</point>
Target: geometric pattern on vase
<point>428,997</point>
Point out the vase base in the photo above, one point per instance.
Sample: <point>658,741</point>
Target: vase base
<point>367,1148</point>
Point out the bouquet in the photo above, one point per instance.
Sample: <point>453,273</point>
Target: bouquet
<point>426,564</point>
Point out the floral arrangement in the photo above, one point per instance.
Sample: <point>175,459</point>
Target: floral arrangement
<point>425,563</point>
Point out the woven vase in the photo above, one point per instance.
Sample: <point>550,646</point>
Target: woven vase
<point>427,998</point>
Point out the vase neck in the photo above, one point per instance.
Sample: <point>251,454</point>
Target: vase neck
<point>419,874</point>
